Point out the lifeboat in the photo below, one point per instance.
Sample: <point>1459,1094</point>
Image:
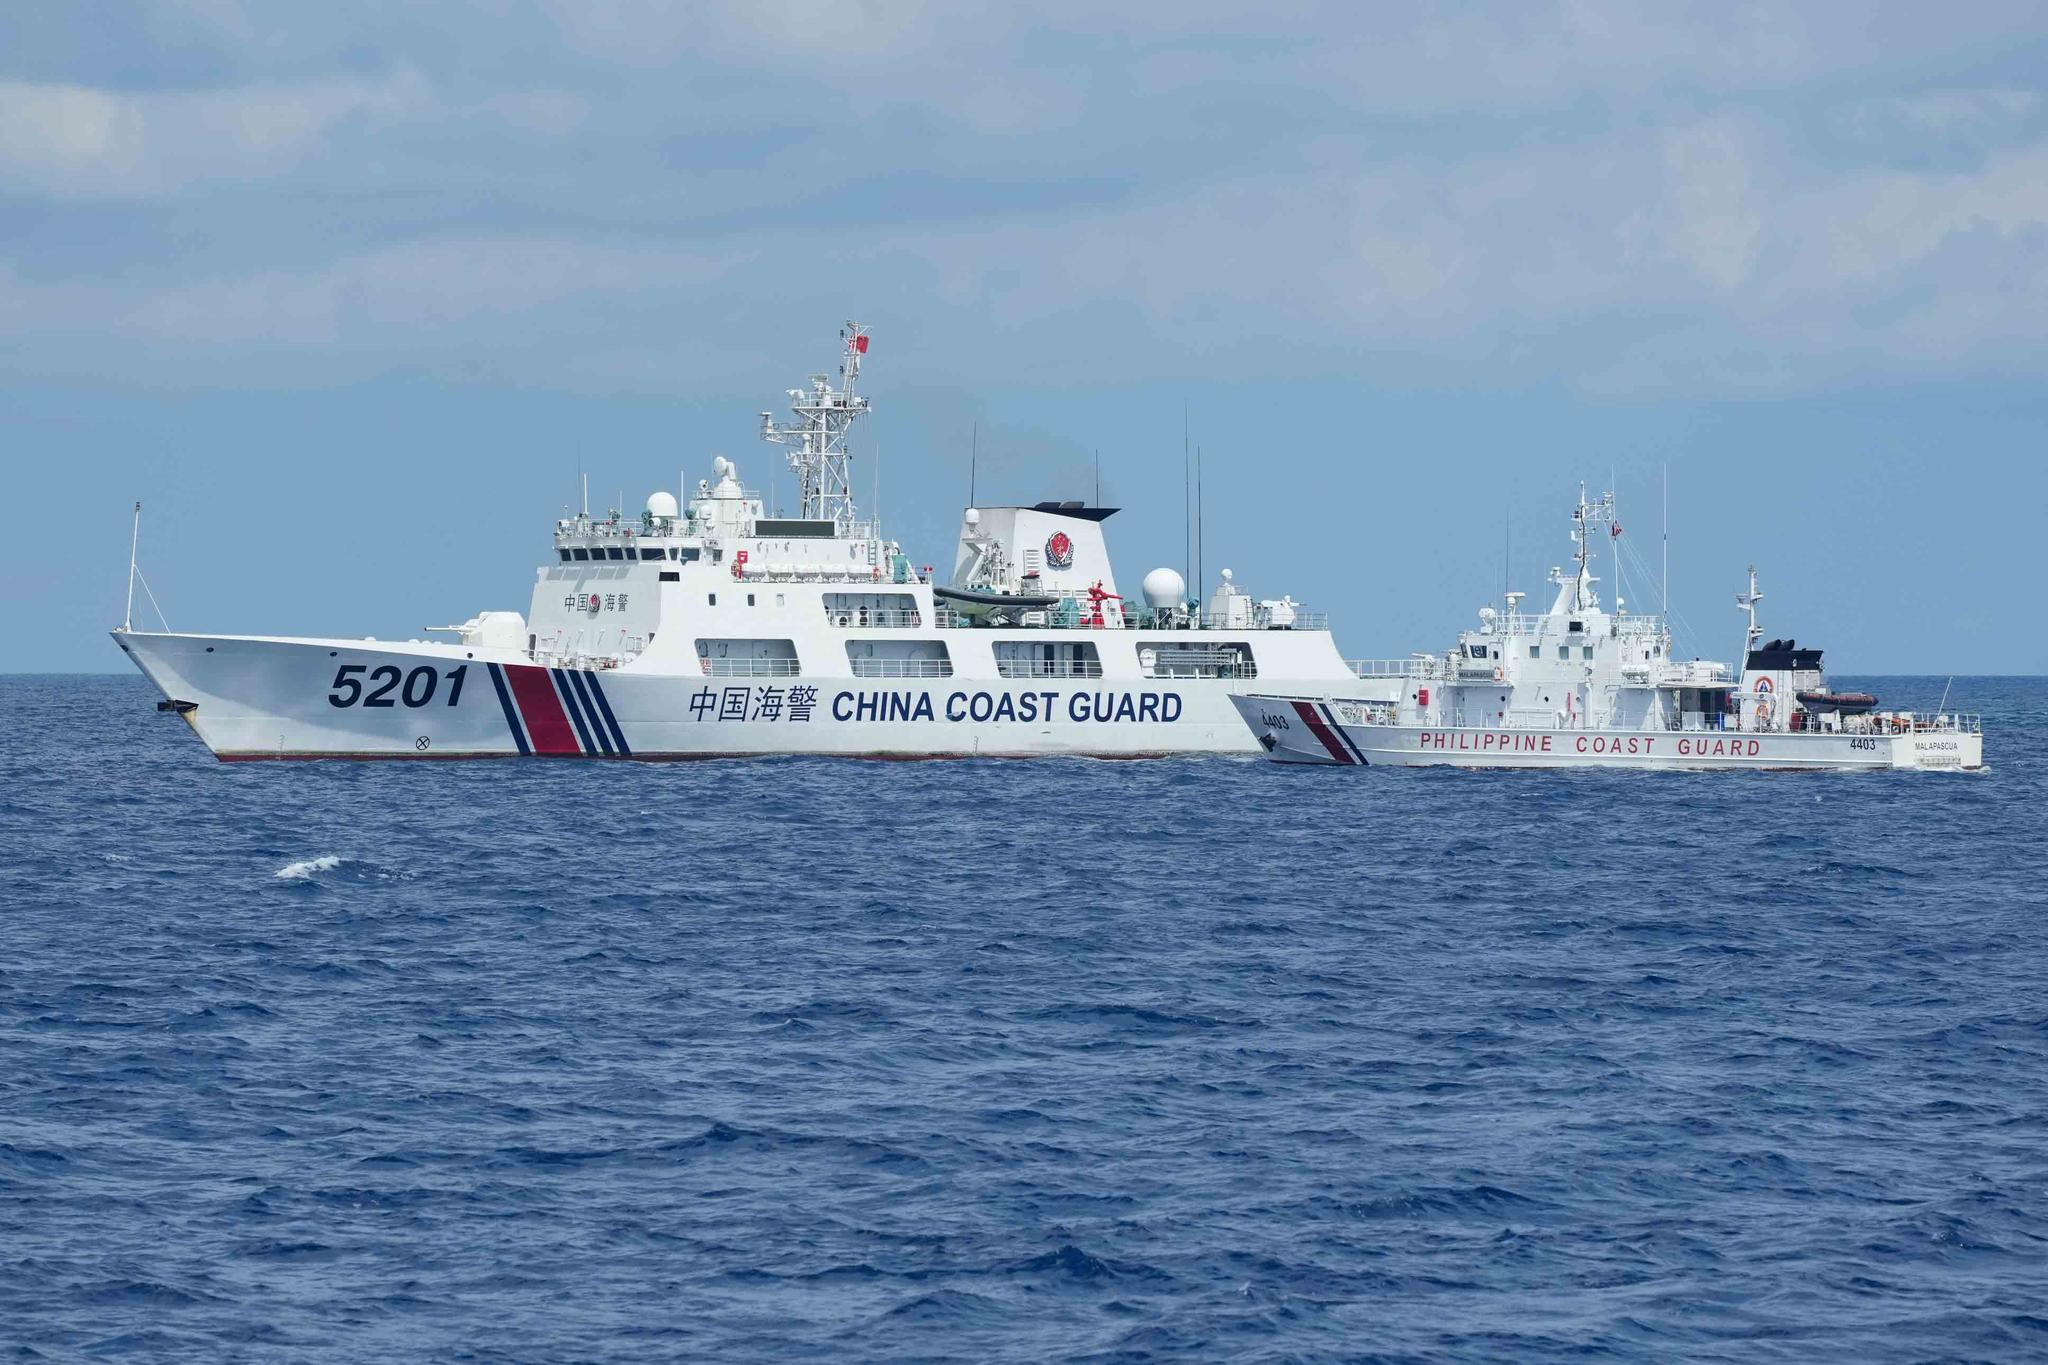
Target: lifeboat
<point>977,603</point>
<point>1845,703</point>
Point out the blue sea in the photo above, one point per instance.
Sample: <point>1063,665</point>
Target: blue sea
<point>1195,1059</point>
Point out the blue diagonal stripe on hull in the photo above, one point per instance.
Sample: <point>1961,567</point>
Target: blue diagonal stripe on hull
<point>604,708</point>
<point>568,695</point>
<point>511,712</point>
<point>580,681</point>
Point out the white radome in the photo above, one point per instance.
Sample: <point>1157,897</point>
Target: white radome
<point>661,504</point>
<point>1165,588</point>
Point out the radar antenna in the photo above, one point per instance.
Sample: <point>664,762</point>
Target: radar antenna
<point>823,464</point>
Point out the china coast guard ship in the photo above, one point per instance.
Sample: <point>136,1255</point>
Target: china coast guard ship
<point>1582,686</point>
<point>715,629</point>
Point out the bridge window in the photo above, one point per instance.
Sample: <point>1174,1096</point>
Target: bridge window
<point>580,554</point>
<point>733,658</point>
<point>1232,660</point>
<point>617,553</point>
<point>564,554</point>
<point>650,552</point>
<point>1047,659</point>
<point>899,659</point>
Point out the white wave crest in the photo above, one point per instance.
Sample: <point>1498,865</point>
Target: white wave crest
<point>300,871</point>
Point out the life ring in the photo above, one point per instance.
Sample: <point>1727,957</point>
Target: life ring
<point>1499,674</point>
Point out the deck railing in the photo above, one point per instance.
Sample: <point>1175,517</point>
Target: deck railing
<point>902,668</point>
<point>1049,668</point>
<point>1394,668</point>
<point>751,668</point>
<point>857,618</point>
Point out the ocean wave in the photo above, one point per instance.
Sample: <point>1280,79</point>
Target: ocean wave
<point>306,869</point>
<point>817,1060</point>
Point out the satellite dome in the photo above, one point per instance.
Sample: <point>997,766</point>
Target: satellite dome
<point>1165,588</point>
<point>661,504</point>
<point>721,466</point>
<point>974,516</point>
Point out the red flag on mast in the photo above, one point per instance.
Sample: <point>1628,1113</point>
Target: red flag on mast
<point>860,342</point>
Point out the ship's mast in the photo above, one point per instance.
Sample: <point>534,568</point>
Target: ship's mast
<point>823,464</point>
<point>1583,517</point>
<point>1747,601</point>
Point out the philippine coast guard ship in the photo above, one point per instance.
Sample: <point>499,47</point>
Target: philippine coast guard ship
<point>1582,686</point>
<point>717,629</point>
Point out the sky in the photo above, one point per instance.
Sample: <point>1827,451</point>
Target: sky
<point>346,295</point>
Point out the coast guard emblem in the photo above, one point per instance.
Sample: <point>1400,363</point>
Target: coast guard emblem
<point>1059,551</point>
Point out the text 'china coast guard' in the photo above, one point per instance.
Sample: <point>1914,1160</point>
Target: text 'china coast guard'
<point>713,628</point>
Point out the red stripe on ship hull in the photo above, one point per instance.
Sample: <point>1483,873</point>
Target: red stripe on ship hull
<point>547,725</point>
<point>1338,753</point>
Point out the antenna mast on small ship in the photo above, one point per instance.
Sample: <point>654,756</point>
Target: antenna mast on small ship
<point>1747,601</point>
<point>823,464</point>
<point>1583,517</point>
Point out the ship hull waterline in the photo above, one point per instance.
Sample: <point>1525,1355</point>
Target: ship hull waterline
<point>254,698</point>
<point>1315,731</point>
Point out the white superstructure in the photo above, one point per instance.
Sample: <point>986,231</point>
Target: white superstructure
<point>1581,685</point>
<point>704,626</point>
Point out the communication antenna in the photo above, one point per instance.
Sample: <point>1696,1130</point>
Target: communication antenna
<point>1199,508</point>
<point>1098,478</point>
<point>1614,534</point>
<point>134,541</point>
<point>824,414</point>
<point>1667,547</point>
<point>1747,601</point>
<point>135,576</point>
<point>1187,528</point>
<point>973,461</point>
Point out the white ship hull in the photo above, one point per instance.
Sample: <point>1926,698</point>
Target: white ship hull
<point>280,698</point>
<point>1308,730</point>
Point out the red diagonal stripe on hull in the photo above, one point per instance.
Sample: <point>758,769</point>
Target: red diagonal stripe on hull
<point>1322,732</point>
<point>547,725</point>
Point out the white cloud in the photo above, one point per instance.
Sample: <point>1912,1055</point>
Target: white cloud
<point>1715,226</point>
<point>71,141</point>
<point>406,292</point>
